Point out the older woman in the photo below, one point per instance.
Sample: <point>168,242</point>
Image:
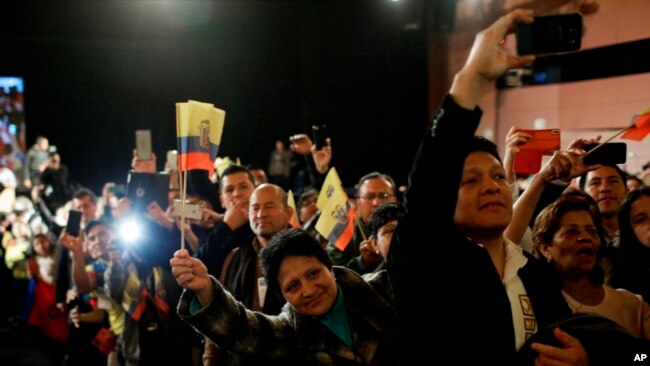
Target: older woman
<point>333,316</point>
<point>568,234</point>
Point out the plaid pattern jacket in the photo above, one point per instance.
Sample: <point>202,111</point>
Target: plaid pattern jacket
<point>293,339</point>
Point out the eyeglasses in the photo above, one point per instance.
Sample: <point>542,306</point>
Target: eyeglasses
<point>372,196</point>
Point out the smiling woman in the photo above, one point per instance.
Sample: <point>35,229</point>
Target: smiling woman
<point>333,315</point>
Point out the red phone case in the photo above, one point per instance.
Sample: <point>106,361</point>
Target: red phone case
<point>529,158</point>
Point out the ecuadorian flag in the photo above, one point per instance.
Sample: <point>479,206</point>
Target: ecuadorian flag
<point>336,221</point>
<point>198,128</point>
<point>294,221</point>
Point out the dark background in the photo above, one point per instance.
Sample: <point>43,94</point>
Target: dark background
<point>95,71</point>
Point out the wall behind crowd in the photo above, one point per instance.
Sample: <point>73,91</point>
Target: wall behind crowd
<point>97,71</point>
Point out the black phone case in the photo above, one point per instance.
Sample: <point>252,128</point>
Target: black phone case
<point>74,223</point>
<point>319,134</point>
<point>550,34</point>
<point>611,153</point>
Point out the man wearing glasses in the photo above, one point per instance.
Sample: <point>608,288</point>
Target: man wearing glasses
<point>373,190</point>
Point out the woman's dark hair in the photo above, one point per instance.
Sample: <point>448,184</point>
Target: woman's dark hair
<point>631,247</point>
<point>386,213</point>
<point>289,242</point>
<point>549,220</point>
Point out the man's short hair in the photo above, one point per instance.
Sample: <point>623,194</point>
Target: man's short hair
<point>99,222</point>
<point>583,178</point>
<point>306,193</point>
<point>376,175</point>
<point>384,214</point>
<point>85,192</point>
<point>232,169</point>
<point>481,144</point>
<point>289,242</point>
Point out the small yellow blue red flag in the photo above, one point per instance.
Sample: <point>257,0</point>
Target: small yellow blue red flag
<point>198,129</point>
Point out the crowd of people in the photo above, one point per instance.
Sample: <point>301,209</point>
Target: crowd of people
<point>555,274</point>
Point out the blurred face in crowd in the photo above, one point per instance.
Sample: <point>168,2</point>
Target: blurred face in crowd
<point>307,284</point>
<point>44,144</point>
<point>632,184</point>
<point>42,246</point>
<point>308,208</point>
<point>236,190</point>
<point>55,161</point>
<point>384,236</point>
<point>640,219</point>
<point>99,238</point>
<point>267,213</point>
<point>484,204</point>
<point>372,193</point>
<point>607,187</point>
<point>88,208</point>
<point>575,244</point>
<point>260,176</point>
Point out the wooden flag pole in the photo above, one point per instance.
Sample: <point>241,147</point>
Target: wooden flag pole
<point>183,196</point>
<point>356,220</point>
<point>606,141</point>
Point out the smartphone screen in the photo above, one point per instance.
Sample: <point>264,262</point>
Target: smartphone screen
<point>74,222</point>
<point>143,144</point>
<point>319,135</point>
<point>550,34</point>
<point>172,160</point>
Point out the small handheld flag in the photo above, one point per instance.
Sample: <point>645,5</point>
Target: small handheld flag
<point>294,221</point>
<point>198,129</point>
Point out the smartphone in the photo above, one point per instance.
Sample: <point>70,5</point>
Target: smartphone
<point>192,211</point>
<point>547,140</point>
<point>529,158</point>
<point>74,222</point>
<point>172,160</point>
<point>118,189</point>
<point>143,144</point>
<point>319,134</point>
<point>610,153</point>
<point>550,34</point>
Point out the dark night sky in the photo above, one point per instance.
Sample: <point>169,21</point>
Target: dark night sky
<point>95,71</point>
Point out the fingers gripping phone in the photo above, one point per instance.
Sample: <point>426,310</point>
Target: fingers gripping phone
<point>550,34</point>
<point>319,134</point>
<point>74,222</point>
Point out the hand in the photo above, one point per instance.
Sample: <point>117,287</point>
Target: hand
<point>301,144</point>
<point>157,214</point>
<point>237,215</point>
<point>72,243</point>
<point>370,257</point>
<point>75,316</point>
<point>322,157</point>
<point>192,274</point>
<point>27,183</point>
<point>487,60</point>
<point>572,352</point>
<point>106,192</point>
<point>123,207</point>
<point>565,165</point>
<point>580,142</point>
<point>143,166</point>
<point>515,138</point>
<point>212,216</point>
